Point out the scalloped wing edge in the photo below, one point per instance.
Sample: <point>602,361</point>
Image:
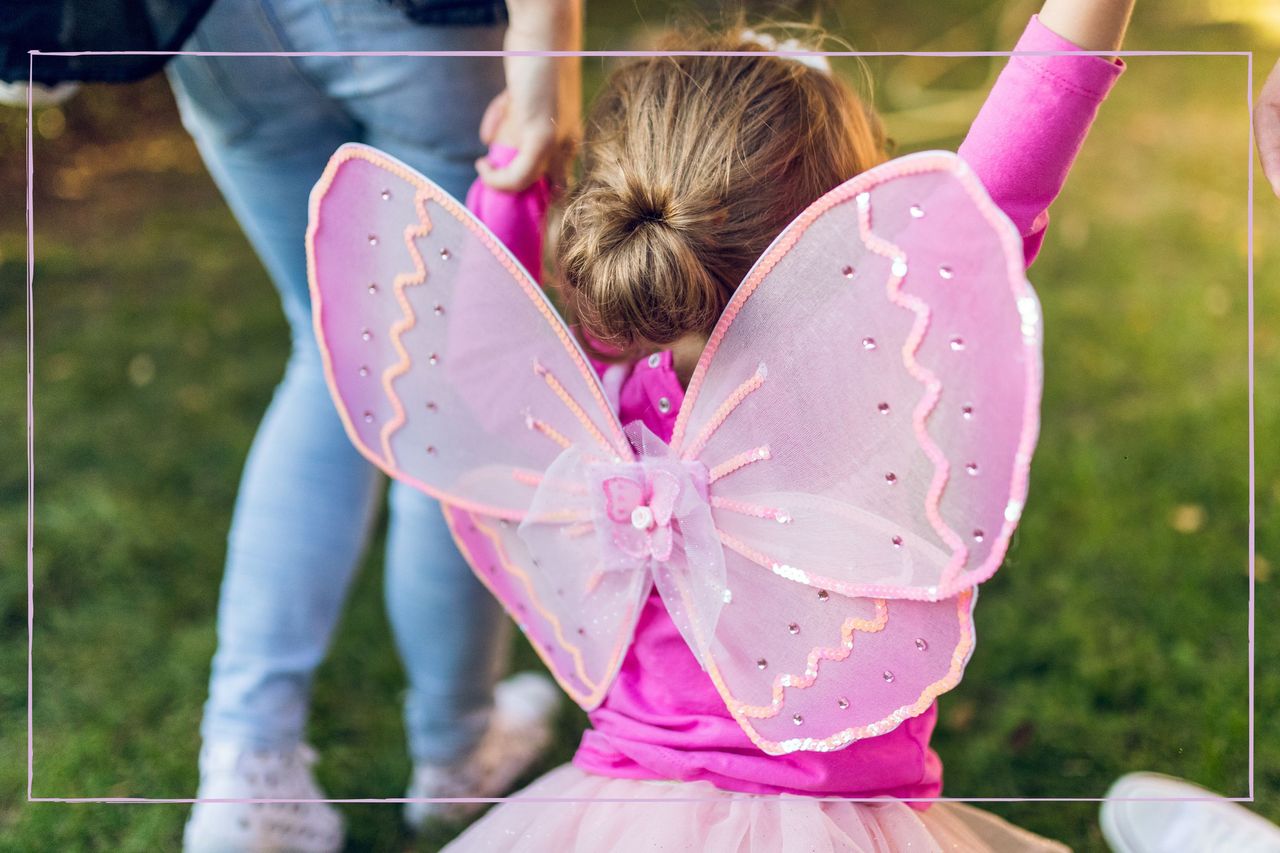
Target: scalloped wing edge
<point>744,713</point>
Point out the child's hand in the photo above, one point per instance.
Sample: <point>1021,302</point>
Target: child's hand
<point>1266,124</point>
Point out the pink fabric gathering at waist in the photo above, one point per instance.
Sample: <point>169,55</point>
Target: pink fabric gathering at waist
<point>664,719</point>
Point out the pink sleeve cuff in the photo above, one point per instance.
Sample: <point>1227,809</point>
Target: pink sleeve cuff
<point>1026,136</point>
<point>517,219</point>
<point>1090,76</point>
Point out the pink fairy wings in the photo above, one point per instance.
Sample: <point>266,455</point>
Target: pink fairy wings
<point>850,459</point>
<point>867,408</point>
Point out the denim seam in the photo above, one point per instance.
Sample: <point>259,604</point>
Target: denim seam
<point>219,79</point>
<point>285,44</point>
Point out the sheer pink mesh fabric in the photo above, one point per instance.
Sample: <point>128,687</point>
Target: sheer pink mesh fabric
<point>626,815</point>
<point>450,364</point>
<point>850,461</point>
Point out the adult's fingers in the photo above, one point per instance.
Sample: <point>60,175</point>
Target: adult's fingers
<point>493,117</point>
<point>525,168</point>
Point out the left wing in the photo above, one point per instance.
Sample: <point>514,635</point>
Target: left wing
<point>453,372</point>
<point>450,368</point>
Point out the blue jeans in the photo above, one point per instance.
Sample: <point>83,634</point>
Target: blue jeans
<point>265,127</point>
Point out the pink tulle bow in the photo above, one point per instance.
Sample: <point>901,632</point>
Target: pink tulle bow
<point>648,515</point>
<point>640,511</point>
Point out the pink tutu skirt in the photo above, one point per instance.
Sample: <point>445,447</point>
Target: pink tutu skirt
<point>638,815</point>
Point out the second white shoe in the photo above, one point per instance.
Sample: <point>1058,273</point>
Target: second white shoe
<point>520,730</point>
<point>1151,813</point>
<point>233,772</point>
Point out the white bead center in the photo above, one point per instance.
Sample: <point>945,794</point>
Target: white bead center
<point>642,518</point>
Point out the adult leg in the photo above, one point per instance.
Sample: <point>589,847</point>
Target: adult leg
<point>306,496</point>
<point>426,111</point>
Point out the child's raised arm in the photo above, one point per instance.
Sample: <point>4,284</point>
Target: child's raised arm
<point>1027,135</point>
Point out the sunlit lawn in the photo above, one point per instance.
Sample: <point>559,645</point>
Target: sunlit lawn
<point>1114,639</point>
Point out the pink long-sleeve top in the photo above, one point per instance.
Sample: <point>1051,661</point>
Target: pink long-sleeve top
<point>662,718</point>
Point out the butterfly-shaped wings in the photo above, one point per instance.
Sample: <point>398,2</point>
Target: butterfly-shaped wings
<point>849,462</point>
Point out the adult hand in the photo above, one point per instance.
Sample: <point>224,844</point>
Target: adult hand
<point>543,139</point>
<point>1266,128</point>
<point>538,113</point>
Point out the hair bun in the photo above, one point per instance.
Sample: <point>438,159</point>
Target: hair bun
<point>692,165</point>
<point>642,205</point>
<point>636,259</point>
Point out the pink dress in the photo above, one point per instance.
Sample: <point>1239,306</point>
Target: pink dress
<point>662,735</point>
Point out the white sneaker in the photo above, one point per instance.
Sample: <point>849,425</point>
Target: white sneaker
<point>1179,826</point>
<point>231,771</point>
<point>524,708</point>
<point>15,94</point>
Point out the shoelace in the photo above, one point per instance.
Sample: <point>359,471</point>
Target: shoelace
<point>267,771</point>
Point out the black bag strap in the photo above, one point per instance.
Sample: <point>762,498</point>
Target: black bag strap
<point>453,13</point>
<point>74,25</point>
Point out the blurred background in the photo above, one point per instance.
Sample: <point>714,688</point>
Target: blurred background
<point>1114,640</point>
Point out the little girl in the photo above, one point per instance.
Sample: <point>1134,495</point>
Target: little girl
<point>692,166</point>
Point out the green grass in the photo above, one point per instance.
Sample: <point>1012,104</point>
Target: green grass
<point>1113,640</point>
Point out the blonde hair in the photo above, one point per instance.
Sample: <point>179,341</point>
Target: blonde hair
<point>691,166</point>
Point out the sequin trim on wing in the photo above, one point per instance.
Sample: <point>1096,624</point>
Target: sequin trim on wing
<point>734,400</point>
<point>738,462</point>
<point>745,713</point>
<point>409,319</point>
<point>932,385</point>
<point>959,658</point>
